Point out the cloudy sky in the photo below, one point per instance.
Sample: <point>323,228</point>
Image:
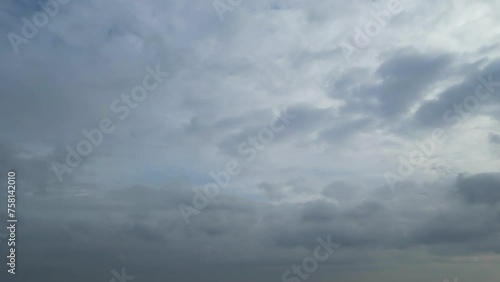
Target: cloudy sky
<point>220,140</point>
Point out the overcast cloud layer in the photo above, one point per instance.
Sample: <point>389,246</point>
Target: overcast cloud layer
<point>387,141</point>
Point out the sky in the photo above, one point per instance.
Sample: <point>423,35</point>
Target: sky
<point>264,140</point>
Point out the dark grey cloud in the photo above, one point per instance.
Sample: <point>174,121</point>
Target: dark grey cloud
<point>458,227</point>
<point>274,192</point>
<point>450,106</point>
<point>319,211</point>
<point>120,226</point>
<point>480,188</point>
<point>403,78</point>
<point>339,190</point>
<point>494,138</point>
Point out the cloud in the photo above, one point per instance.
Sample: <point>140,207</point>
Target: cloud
<point>494,138</point>
<point>322,175</point>
<point>480,188</point>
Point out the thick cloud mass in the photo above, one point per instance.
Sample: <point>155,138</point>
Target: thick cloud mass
<point>480,188</point>
<point>266,88</point>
